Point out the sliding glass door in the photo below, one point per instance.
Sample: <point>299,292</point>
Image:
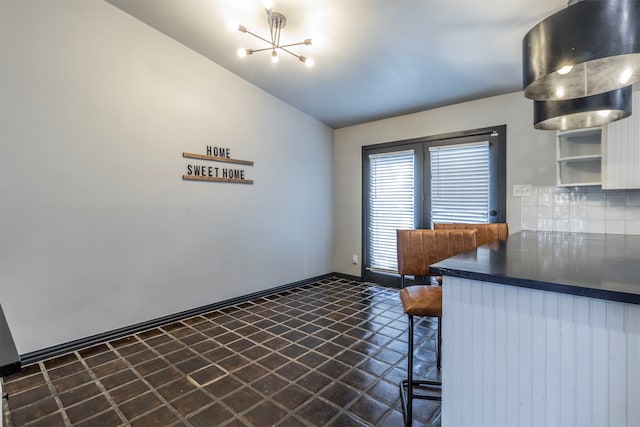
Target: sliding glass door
<point>413,184</point>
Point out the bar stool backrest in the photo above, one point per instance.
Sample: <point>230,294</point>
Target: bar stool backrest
<point>487,233</point>
<point>418,249</point>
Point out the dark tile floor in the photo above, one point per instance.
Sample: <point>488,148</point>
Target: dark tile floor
<point>329,353</point>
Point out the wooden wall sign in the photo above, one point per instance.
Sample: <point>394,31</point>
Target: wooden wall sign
<point>216,174</point>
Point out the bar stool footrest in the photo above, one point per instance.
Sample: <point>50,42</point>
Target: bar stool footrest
<point>426,385</point>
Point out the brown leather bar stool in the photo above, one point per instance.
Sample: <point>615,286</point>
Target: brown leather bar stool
<point>417,250</point>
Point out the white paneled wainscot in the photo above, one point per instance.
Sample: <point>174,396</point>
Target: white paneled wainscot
<point>515,356</point>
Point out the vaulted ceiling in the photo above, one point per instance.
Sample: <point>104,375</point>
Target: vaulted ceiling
<point>377,59</point>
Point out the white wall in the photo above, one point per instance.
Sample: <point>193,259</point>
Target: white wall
<point>98,229</point>
<point>530,159</point>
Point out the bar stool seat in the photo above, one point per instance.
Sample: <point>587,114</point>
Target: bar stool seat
<point>422,300</point>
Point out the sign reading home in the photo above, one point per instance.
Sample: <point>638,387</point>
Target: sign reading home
<point>216,173</point>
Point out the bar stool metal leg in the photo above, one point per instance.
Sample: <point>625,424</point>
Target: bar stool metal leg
<point>407,393</point>
<point>439,343</point>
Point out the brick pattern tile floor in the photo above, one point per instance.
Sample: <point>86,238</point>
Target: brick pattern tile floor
<point>330,353</point>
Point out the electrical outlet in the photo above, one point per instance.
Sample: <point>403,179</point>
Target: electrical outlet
<point>522,190</point>
<point>354,259</point>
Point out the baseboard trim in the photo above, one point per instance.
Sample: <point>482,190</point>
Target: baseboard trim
<point>56,350</point>
<point>347,277</point>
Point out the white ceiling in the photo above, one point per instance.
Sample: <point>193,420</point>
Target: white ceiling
<point>378,58</point>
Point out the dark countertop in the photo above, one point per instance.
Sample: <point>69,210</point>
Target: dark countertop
<point>604,266</point>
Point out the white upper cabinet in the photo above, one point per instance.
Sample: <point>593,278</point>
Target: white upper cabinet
<point>579,157</point>
<point>621,151</point>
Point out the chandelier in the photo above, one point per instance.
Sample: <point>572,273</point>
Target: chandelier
<point>580,63</point>
<point>277,21</point>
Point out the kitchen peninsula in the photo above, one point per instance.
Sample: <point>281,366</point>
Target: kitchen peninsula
<point>543,329</point>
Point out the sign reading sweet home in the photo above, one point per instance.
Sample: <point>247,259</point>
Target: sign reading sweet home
<point>214,173</point>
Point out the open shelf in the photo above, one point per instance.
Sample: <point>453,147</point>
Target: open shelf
<point>580,133</point>
<point>585,158</point>
<point>579,157</point>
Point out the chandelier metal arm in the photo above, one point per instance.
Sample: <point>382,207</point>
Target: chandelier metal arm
<point>292,44</point>
<point>271,45</point>
<point>262,50</point>
<point>290,53</point>
<point>283,48</point>
<point>261,38</point>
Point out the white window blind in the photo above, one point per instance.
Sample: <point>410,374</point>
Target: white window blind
<point>460,183</point>
<point>391,205</point>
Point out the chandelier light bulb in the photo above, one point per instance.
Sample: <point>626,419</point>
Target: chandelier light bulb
<point>625,76</point>
<point>565,70</point>
<point>307,61</point>
<point>233,25</point>
<point>268,4</point>
<point>274,57</point>
<point>243,52</point>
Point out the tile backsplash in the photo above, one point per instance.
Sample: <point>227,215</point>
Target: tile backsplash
<point>581,209</point>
